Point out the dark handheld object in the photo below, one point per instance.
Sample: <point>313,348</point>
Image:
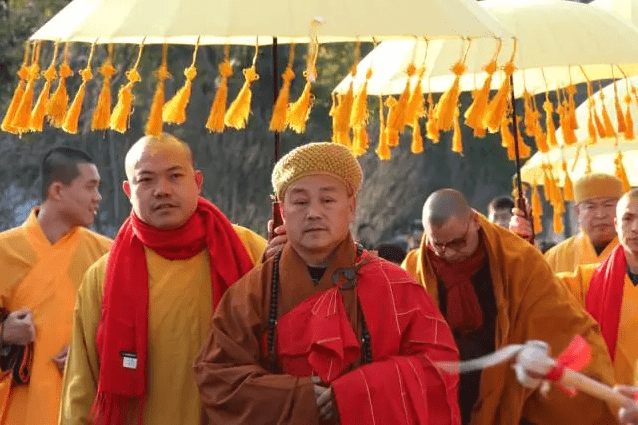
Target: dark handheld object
<point>15,359</point>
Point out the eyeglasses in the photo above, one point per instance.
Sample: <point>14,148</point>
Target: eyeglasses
<point>455,244</point>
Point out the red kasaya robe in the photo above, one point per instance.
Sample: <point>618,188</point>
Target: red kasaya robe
<point>319,333</point>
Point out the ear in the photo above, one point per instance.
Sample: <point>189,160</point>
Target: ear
<point>55,191</point>
<point>352,208</point>
<point>127,188</point>
<point>199,180</point>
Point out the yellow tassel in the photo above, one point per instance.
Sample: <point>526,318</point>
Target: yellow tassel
<point>23,74</point>
<point>334,108</point>
<point>621,173</point>
<point>174,111</point>
<point>154,123</point>
<point>529,114</point>
<point>569,132</point>
<point>571,110</point>
<point>457,142</point>
<point>549,123</point>
<point>558,222</point>
<point>239,111</point>
<point>70,124</point>
<point>22,118</point>
<point>122,111</point>
<point>360,141</point>
<point>524,151</point>
<point>620,117</point>
<point>507,138</point>
<point>36,122</point>
<point>629,122</point>
<point>475,114</point>
<point>609,128</point>
<point>432,128</point>
<point>568,188</point>
<point>383,150</point>
<point>215,122</point>
<point>591,127</point>
<point>278,122</point>
<point>59,100</point>
<point>498,105</point>
<point>359,113</point>
<point>417,140</point>
<point>538,224</point>
<point>416,102</point>
<point>447,106</point>
<point>102,113</point>
<point>537,205</point>
<point>547,188</point>
<point>299,111</point>
<point>342,118</point>
<point>392,133</point>
<point>599,125</point>
<point>539,137</point>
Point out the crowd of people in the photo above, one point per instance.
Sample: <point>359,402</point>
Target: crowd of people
<point>185,318</point>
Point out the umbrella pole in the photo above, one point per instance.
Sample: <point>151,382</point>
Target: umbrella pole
<point>520,201</point>
<point>276,206</point>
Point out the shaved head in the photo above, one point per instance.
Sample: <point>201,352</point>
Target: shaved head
<point>151,145</point>
<point>444,204</point>
<point>624,200</point>
<point>626,222</point>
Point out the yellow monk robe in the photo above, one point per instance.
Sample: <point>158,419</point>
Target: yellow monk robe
<point>531,304</point>
<point>180,310</point>
<point>626,354</point>
<point>45,279</point>
<point>576,251</point>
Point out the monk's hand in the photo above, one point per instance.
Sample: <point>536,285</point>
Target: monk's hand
<point>325,400</point>
<point>520,224</point>
<point>18,328</point>
<point>60,359</point>
<point>533,364</point>
<point>277,238</point>
<point>629,415</point>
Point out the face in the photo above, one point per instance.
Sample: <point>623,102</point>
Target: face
<point>627,224</point>
<point>317,214</point>
<point>81,199</point>
<point>163,187</point>
<point>456,240</point>
<point>501,217</point>
<point>596,219</point>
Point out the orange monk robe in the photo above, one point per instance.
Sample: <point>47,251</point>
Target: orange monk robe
<point>233,370</point>
<point>626,354</point>
<point>43,278</point>
<point>180,309</point>
<point>575,251</point>
<point>531,304</point>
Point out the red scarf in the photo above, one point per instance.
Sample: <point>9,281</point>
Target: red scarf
<point>604,297</point>
<point>123,330</point>
<point>464,312</point>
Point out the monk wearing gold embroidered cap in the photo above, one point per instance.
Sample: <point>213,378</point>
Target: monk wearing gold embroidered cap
<point>324,332</point>
<point>595,197</point>
<point>495,289</point>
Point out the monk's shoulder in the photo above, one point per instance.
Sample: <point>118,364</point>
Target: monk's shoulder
<point>409,264</point>
<point>92,286</point>
<point>254,243</point>
<point>561,248</point>
<point>95,241</point>
<point>394,274</point>
<point>13,238</point>
<point>252,284</point>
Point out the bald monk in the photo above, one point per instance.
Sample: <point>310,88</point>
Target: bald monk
<point>324,332</point>
<point>608,291</point>
<point>495,289</point>
<point>41,266</point>
<point>595,198</point>
<point>143,311</point>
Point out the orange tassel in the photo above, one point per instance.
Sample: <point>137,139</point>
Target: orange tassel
<point>36,122</point>
<point>18,93</point>
<point>58,102</point>
<point>72,116</point>
<point>558,222</point>
<point>432,128</point>
<point>278,121</point>
<point>360,141</point>
<point>154,123</point>
<point>524,151</point>
<point>457,142</point>
<point>299,111</point>
<point>102,113</point>
<point>609,127</point>
<point>549,123</point>
<point>498,105</point>
<point>215,122</point>
<point>392,134</point>
<point>383,150</point>
<point>568,188</point>
<point>569,132</point>
<point>22,118</point>
<point>539,138</point>
<point>591,127</point>
<point>123,108</point>
<point>416,103</point>
<point>445,111</point>
<point>174,111</point>
<point>341,118</point>
<point>333,114</point>
<point>397,111</point>
<point>359,113</point>
<point>621,173</point>
<point>475,114</point>
<point>417,140</point>
<point>629,122</point>
<point>620,117</point>
<point>239,111</point>
<point>571,110</point>
<point>529,114</point>
<point>507,139</point>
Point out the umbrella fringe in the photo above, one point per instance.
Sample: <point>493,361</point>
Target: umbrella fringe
<point>278,121</point>
<point>549,123</point>
<point>239,110</point>
<point>608,126</point>
<point>360,141</point>
<point>72,116</point>
<point>122,111</point>
<point>591,127</point>
<point>431,127</point>
<point>568,187</point>
<point>537,209</point>
<point>629,122</point>
<point>457,137</point>
<point>215,122</point>
<point>299,111</point>
<point>383,149</point>
<point>174,111</point>
<point>621,173</point>
<point>22,118</point>
<point>416,102</point>
<point>417,139</point>
<point>397,113</point>
<point>391,133</point>
<point>58,103</point>
<point>620,116</point>
<point>18,93</point>
<point>524,151</point>
<point>475,113</point>
<point>36,122</point>
<point>102,113</point>
<point>498,105</point>
<point>447,107</point>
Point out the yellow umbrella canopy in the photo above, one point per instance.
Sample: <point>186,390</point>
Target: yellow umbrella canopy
<point>624,9</point>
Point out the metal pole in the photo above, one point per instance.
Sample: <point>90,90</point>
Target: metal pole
<point>275,87</point>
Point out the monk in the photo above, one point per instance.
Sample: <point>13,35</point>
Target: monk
<point>628,416</point>
<point>143,310</point>
<point>42,263</point>
<point>499,211</point>
<point>608,291</point>
<point>495,289</point>
<point>324,332</point>
<point>595,197</point>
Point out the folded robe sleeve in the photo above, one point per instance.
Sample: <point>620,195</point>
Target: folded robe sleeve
<point>235,388</point>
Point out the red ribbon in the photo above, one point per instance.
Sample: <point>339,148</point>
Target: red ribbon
<point>575,357</point>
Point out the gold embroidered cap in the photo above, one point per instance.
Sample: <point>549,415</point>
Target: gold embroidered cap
<point>317,158</point>
<point>597,185</point>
